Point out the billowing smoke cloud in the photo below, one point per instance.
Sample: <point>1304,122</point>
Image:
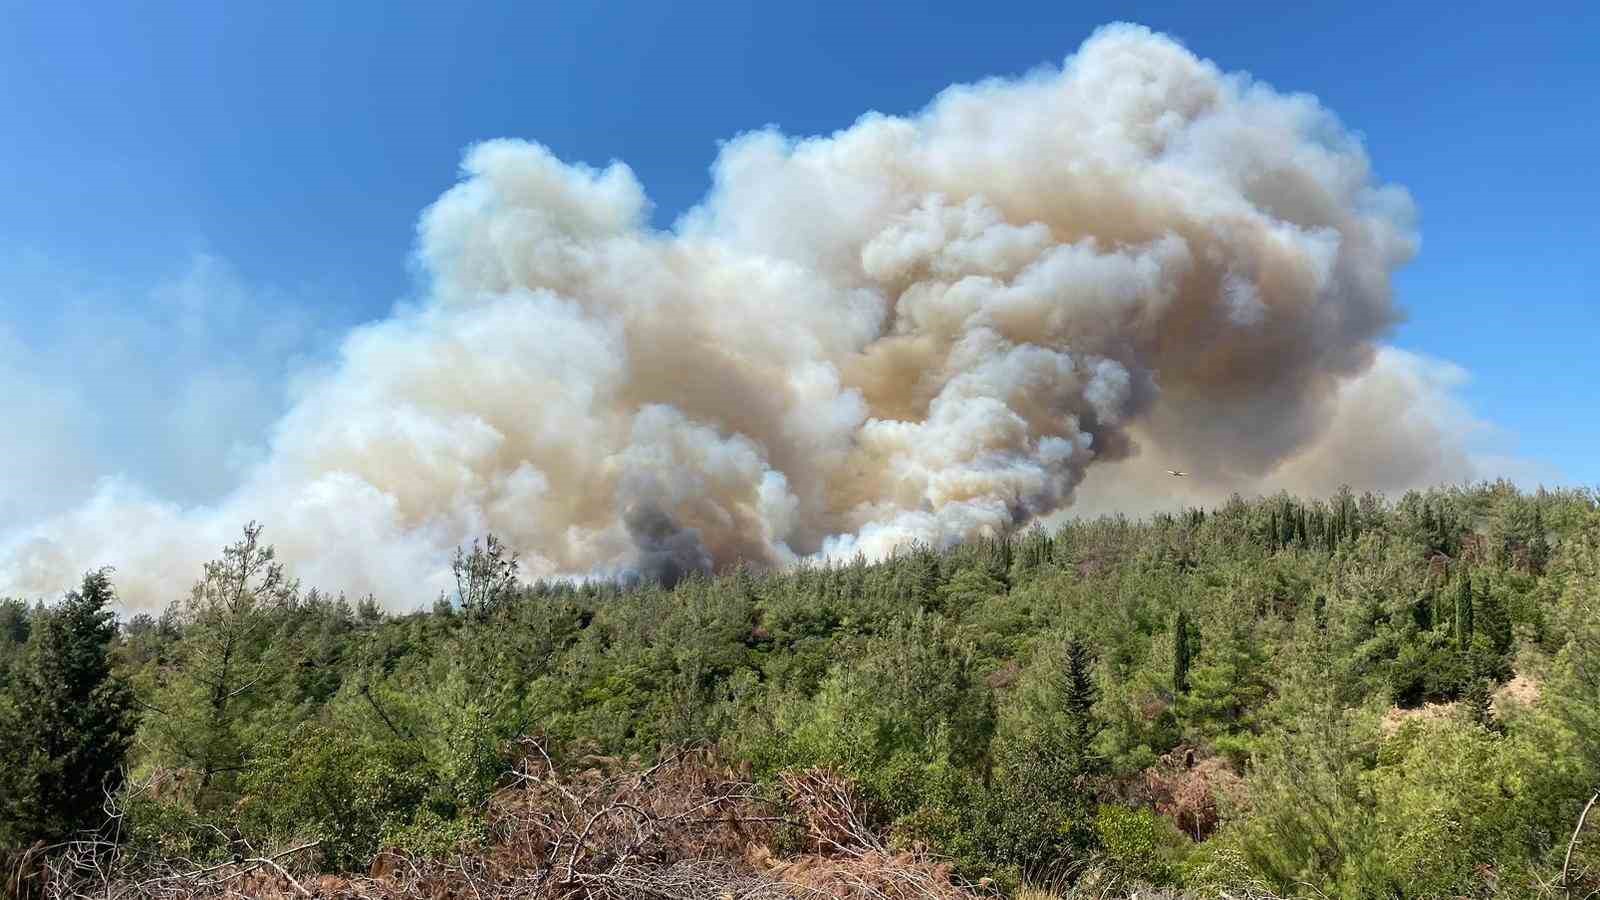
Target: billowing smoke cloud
<point>1397,426</point>
<point>919,328</point>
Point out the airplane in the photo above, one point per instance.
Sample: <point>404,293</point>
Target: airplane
<point>1176,474</point>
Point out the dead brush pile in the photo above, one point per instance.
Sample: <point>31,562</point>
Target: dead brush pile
<point>1190,791</point>
<point>687,828</point>
<point>846,856</point>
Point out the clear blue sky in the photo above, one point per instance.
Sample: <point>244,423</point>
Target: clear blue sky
<point>283,150</point>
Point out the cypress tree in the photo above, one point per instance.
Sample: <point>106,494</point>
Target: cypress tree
<point>1079,695</point>
<point>1464,613</point>
<point>1477,704</point>
<point>1538,544</point>
<point>1493,621</point>
<point>1004,555</point>
<point>1422,611</point>
<point>75,720</point>
<point>1045,815</point>
<point>1180,651</point>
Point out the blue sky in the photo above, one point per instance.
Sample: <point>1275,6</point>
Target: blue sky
<point>267,162</point>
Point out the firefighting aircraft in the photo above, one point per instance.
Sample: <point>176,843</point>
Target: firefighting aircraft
<point>1176,474</point>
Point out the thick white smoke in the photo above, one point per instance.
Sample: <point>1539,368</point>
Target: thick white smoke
<point>917,328</point>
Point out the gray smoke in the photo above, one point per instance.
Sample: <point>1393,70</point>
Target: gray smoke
<point>918,328</point>
<point>664,552</point>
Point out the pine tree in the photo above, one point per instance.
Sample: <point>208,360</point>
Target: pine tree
<point>75,720</point>
<point>1422,610</point>
<point>1003,555</point>
<point>222,675</point>
<point>486,578</point>
<point>368,612</point>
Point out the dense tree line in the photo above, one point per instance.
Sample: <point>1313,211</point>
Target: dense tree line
<point>1353,697</point>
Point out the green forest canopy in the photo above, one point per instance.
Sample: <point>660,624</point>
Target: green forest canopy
<point>1350,697</point>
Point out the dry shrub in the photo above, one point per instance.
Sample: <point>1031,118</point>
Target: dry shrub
<point>833,813</point>
<point>687,806</point>
<point>687,828</point>
<point>1396,718</point>
<point>24,872</point>
<point>1521,691</point>
<point>875,875</point>
<point>848,857</point>
<point>1004,677</point>
<point>1191,790</point>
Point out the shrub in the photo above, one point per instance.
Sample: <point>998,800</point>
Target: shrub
<point>321,783</point>
<point>1140,844</point>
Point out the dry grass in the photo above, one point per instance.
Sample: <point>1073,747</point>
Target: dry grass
<point>1521,691</point>
<point>1397,718</point>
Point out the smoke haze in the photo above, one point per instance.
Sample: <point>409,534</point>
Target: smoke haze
<point>917,328</point>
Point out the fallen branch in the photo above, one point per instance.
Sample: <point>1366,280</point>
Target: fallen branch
<point>686,828</point>
<point>1566,866</point>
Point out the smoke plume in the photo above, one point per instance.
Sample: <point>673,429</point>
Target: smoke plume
<point>917,328</point>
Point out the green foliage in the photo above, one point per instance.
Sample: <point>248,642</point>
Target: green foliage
<point>1218,870</point>
<point>316,782</point>
<point>1450,796</point>
<point>1078,694</point>
<point>160,818</point>
<point>1044,791</point>
<point>908,700</point>
<point>1428,668</point>
<point>434,835</point>
<point>15,625</point>
<point>1225,692</point>
<point>1576,682</point>
<point>1463,619</point>
<point>68,721</point>
<point>213,702</point>
<point>1309,820</point>
<point>969,587</point>
<point>1140,844</point>
<point>1032,706</point>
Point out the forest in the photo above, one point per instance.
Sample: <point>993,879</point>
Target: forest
<point>1354,696</point>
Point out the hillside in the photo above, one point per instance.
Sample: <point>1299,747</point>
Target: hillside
<point>1347,697</point>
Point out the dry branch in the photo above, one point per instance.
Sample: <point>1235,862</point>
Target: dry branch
<point>685,828</point>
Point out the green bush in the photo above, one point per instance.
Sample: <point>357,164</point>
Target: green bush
<point>1140,844</point>
<point>1451,796</point>
<point>322,783</point>
<point>160,819</point>
<point>433,835</point>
